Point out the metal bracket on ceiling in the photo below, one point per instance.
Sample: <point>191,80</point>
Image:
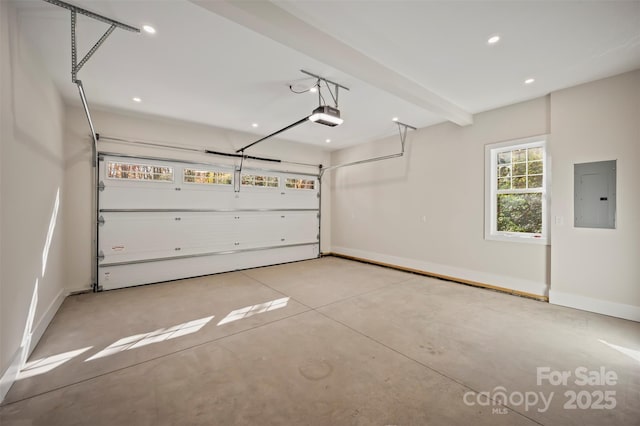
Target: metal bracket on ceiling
<point>402,129</point>
<point>75,66</point>
<point>319,81</point>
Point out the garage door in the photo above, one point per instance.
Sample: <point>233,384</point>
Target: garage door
<point>164,220</point>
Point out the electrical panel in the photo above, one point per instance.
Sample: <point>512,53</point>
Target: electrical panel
<point>595,194</point>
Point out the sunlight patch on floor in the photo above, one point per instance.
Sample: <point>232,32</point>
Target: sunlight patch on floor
<point>44,365</point>
<point>249,311</point>
<point>631,353</point>
<point>159,335</point>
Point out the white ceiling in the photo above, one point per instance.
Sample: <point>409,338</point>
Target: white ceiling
<point>230,64</point>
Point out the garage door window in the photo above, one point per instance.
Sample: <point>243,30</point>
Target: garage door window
<point>261,181</point>
<point>141,172</point>
<point>209,177</point>
<point>293,183</point>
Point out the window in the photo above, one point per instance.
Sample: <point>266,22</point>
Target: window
<point>293,183</point>
<point>144,172</point>
<point>516,190</point>
<point>207,177</point>
<point>260,180</point>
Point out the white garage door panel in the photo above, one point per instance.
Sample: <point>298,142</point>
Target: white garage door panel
<point>145,273</point>
<point>163,220</point>
<point>136,236</point>
<point>139,195</point>
<point>276,228</point>
<point>131,236</point>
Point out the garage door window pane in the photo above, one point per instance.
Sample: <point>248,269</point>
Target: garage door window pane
<point>293,183</point>
<point>140,172</point>
<point>207,177</point>
<point>261,181</point>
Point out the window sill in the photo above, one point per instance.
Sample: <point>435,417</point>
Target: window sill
<point>526,239</point>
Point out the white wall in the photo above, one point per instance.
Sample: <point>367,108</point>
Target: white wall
<point>597,269</point>
<point>426,210</point>
<point>137,126</point>
<point>32,174</point>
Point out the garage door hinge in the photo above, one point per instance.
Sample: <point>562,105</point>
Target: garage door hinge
<point>318,195</point>
<point>318,237</point>
<point>100,256</point>
<point>101,220</point>
<point>101,186</point>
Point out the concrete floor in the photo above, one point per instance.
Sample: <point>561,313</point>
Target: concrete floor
<point>322,342</point>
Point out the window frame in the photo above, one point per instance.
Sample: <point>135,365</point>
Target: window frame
<point>492,191</point>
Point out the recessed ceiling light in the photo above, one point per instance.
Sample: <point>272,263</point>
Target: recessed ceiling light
<point>493,39</point>
<point>254,124</point>
<point>529,81</point>
<point>328,141</point>
<point>149,29</point>
<point>314,89</point>
<point>136,99</point>
<point>394,119</point>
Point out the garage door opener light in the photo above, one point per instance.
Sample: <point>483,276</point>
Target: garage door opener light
<point>326,115</point>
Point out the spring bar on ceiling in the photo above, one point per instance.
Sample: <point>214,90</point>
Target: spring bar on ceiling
<point>201,150</point>
<point>402,129</point>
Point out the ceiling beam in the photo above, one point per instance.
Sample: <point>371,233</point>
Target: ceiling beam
<point>266,18</point>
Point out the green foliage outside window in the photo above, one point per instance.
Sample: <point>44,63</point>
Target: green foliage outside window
<point>520,213</point>
<point>519,184</point>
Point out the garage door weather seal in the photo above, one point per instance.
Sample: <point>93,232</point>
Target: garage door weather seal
<point>200,150</point>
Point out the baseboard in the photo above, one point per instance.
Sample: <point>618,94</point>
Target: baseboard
<point>46,318</point>
<point>521,287</point>
<point>79,290</point>
<point>605,307</point>
<point>10,375</point>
